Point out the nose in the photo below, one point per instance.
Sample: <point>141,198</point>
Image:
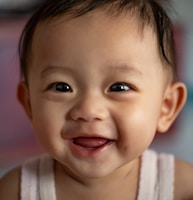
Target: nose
<point>88,109</point>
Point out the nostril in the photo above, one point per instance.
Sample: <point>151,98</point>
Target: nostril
<point>86,119</point>
<point>89,108</point>
<point>78,115</point>
<point>87,115</point>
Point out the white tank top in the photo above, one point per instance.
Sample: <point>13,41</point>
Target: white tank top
<point>156,178</point>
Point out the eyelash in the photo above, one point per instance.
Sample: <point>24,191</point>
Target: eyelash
<point>120,87</point>
<point>116,87</point>
<point>60,87</point>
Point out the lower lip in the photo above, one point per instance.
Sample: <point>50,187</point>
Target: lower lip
<point>88,152</point>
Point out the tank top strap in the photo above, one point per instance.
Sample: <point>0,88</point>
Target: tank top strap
<point>37,179</point>
<point>156,176</point>
<point>166,176</point>
<point>47,179</point>
<point>148,176</point>
<point>29,180</point>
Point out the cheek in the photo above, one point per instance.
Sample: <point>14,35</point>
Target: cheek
<point>47,121</point>
<point>48,130</point>
<point>137,127</point>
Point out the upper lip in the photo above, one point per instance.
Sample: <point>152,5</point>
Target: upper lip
<point>88,135</point>
<point>89,132</point>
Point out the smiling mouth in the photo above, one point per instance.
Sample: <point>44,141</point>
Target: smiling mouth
<point>91,143</point>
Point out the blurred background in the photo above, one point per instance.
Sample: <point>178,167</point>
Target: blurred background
<point>17,141</point>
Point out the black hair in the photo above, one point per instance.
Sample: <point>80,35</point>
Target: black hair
<point>150,12</point>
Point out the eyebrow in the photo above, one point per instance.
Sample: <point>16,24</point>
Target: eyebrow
<point>50,68</point>
<point>126,69</point>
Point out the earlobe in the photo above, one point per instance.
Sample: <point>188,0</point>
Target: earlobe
<point>23,98</point>
<point>173,102</point>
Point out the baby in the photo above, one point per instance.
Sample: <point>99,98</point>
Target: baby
<point>98,80</point>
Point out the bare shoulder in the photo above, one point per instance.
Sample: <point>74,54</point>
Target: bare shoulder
<point>10,184</point>
<point>183,180</point>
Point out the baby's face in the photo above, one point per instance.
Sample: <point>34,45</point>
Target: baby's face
<point>96,88</point>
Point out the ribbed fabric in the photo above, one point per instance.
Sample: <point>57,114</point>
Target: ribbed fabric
<point>29,180</point>
<point>148,177</point>
<point>37,179</point>
<point>47,179</point>
<point>156,178</point>
<point>166,176</point>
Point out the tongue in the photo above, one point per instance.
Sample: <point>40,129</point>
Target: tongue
<point>90,142</point>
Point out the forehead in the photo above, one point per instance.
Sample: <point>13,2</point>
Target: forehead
<point>111,38</point>
<point>98,19</point>
<point>96,24</point>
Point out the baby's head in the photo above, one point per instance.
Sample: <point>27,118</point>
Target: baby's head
<point>148,13</point>
<point>98,80</point>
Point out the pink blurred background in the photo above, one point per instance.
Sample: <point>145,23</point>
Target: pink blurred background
<point>16,138</point>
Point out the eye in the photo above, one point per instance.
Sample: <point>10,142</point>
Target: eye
<point>60,87</point>
<point>120,87</point>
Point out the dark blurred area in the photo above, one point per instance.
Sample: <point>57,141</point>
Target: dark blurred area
<point>13,7</point>
<point>17,141</point>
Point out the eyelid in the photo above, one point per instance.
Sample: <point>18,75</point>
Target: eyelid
<point>52,85</point>
<point>130,87</point>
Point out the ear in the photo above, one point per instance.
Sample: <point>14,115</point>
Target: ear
<point>173,102</point>
<point>24,98</point>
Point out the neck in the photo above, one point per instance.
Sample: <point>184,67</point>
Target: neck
<point>121,184</point>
